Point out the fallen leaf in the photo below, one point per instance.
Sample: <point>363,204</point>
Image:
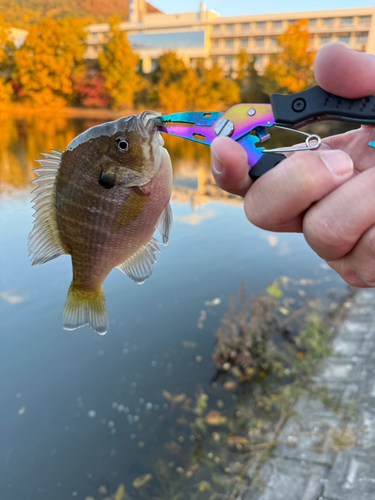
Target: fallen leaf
<point>231,384</point>
<point>284,311</point>
<point>141,481</point>
<point>189,345</point>
<point>214,417</point>
<point>204,486</point>
<point>301,355</point>
<point>237,440</point>
<point>102,490</point>
<point>212,303</point>
<point>22,410</point>
<point>274,290</point>
<point>120,493</point>
<point>167,395</point>
<point>272,240</point>
<point>10,297</point>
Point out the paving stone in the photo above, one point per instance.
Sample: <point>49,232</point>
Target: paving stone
<point>355,327</point>
<point>307,439</point>
<point>337,370</point>
<point>347,348</point>
<point>290,480</point>
<point>352,476</point>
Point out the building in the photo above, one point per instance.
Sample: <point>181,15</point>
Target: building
<point>206,35</point>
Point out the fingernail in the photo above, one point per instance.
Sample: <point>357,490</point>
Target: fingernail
<point>338,162</point>
<point>216,163</point>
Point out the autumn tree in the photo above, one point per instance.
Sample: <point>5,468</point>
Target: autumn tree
<point>291,70</point>
<point>45,63</point>
<point>119,65</point>
<point>6,63</point>
<point>249,80</point>
<point>178,87</point>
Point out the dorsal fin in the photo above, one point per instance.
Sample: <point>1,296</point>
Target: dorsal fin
<point>44,241</point>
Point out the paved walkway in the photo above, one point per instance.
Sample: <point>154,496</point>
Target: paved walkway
<point>322,455</point>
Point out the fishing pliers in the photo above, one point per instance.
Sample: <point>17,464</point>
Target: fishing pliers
<point>249,124</point>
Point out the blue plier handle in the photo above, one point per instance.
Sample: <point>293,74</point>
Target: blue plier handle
<point>248,124</point>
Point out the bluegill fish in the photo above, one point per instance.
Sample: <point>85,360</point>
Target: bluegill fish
<point>100,201</point>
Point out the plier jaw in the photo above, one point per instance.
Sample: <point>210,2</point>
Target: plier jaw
<point>248,124</point>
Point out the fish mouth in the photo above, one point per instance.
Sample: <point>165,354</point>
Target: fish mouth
<point>146,122</point>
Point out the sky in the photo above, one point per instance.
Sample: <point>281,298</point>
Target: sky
<point>238,7</point>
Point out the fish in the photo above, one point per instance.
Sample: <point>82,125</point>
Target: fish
<point>100,201</point>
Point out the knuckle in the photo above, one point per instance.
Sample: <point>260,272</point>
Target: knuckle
<point>321,232</point>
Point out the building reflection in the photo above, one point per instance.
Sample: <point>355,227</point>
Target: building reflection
<point>24,139</point>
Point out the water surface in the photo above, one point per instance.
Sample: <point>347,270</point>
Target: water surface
<point>81,413</point>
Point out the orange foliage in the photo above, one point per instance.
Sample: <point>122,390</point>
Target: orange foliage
<point>47,59</point>
<point>291,69</point>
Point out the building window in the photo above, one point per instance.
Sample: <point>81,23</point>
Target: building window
<point>364,19</point>
<point>344,38</point>
<point>216,27</point>
<point>362,37</point>
<point>277,24</point>
<point>94,36</point>
<point>274,41</point>
<point>230,27</point>
<point>229,42</point>
<point>328,21</point>
<point>258,60</point>
<point>312,22</point>
<point>244,42</point>
<point>325,39</point>
<point>291,22</point>
<point>216,42</point>
<point>215,60</point>
<point>245,26</point>
<point>344,21</point>
<point>259,41</point>
<point>261,25</point>
<point>228,59</point>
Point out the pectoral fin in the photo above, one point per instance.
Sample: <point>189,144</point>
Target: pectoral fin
<point>140,265</point>
<point>165,223</point>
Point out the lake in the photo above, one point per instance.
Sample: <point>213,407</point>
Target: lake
<point>82,413</point>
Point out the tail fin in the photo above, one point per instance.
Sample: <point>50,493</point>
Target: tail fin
<point>84,308</point>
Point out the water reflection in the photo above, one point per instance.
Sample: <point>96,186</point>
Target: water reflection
<point>84,414</point>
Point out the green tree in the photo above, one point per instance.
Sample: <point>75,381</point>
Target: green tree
<point>291,70</point>
<point>249,80</point>
<point>119,65</point>
<point>44,64</point>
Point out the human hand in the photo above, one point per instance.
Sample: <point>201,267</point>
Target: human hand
<point>328,194</point>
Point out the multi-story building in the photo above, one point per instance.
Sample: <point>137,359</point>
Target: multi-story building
<point>206,35</point>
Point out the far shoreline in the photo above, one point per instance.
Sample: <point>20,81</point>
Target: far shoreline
<point>19,110</point>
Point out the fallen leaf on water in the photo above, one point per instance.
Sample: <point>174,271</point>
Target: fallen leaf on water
<point>236,440</point>
<point>189,345</point>
<point>212,303</point>
<point>284,311</point>
<point>22,410</point>
<point>272,240</point>
<point>102,490</point>
<point>10,297</point>
<point>179,398</point>
<point>141,481</point>
<point>120,493</point>
<point>274,290</point>
<point>215,418</point>
<point>231,384</point>
<point>204,486</point>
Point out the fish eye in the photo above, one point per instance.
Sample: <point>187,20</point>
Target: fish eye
<point>122,143</point>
